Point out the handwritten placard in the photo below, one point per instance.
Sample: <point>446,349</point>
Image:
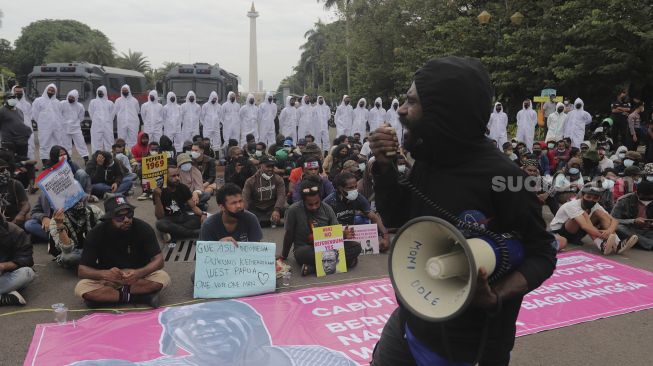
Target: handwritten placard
<point>368,236</point>
<point>329,250</point>
<point>223,270</point>
<point>60,186</point>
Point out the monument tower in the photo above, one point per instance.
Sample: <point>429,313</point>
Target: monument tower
<point>253,57</point>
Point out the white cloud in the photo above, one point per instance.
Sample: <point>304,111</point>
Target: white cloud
<point>198,31</point>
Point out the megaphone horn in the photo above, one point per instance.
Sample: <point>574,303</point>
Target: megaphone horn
<point>434,268</point>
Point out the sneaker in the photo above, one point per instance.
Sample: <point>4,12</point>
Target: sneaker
<point>167,238</point>
<point>142,197</point>
<point>609,245</point>
<point>93,199</point>
<point>12,298</point>
<point>627,243</point>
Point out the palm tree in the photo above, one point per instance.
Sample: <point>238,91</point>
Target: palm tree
<point>343,7</point>
<point>133,61</point>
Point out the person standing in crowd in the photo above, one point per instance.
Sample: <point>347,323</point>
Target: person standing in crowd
<point>248,120</point>
<point>634,121</point>
<point>620,110</point>
<point>231,119</point>
<point>322,116</point>
<point>344,117</point>
<point>190,117</point>
<point>267,113</point>
<point>72,115</point>
<point>171,114</point>
<point>435,124</point>
<point>26,107</point>
<point>127,111</point>
<point>361,116</point>
<point>16,263</point>
<point>12,126</point>
<point>288,119</point>
<point>122,261</point>
<point>102,111</point>
<point>498,125</point>
<point>575,124</point>
<point>68,231</point>
<point>265,193</point>
<point>377,115</point>
<point>210,118</point>
<point>551,106</point>
<point>555,122</point>
<point>46,111</point>
<point>152,114</point>
<point>634,212</point>
<point>526,122</point>
<point>305,118</point>
<point>392,117</point>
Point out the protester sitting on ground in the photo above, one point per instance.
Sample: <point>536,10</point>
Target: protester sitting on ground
<point>139,151</point>
<point>545,193</point>
<point>239,168</point>
<point>302,217</point>
<point>121,261</point>
<point>38,226</point>
<point>232,222</point>
<point>312,168</point>
<point>584,216</point>
<point>568,182</point>
<point>353,167</point>
<point>635,214</point>
<point>208,149</point>
<point>16,263</point>
<point>13,203</point>
<point>561,155</point>
<point>59,152</point>
<point>191,177</point>
<point>604,162</point>
<point>178,217</point>
<point>265,193</point>
<point>542,159</point>
<point>590,165</point>
<point>608,180</point>
<point>166,146</point>
<point>68,231</point>
<point>118,152</point>
<point>311,151</point>
<point>508,151</point>
<point>107,177</point>
<point>352,208</point>
<point>278,145</point>
<point>619,155</point>
<point>206,166</point>
<point>339,156</point>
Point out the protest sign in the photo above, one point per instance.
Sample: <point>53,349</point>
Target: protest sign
<point>155,171</point>
<point>59,185</point>
<point>368,237</point>
<point>223,270</point>
<point>329,250</point>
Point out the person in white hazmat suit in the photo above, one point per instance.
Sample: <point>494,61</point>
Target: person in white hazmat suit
<point>190,117</point>
<point>46,111</point>
<point>267,111</point>
<point>127,111</point>
<point>392,117</point>
<point>555,122</point>
<point>210,118</point>
<point>306,118</point>
<point>344,117</point>
<point>72,115</point>
<point>498,125</point>
<point>577,119</point>
<point>152,114</point>
<point>230,119</point>
<point>102,111</point>
<point>171,114</point>
<point>361,116</point>
<point>288,119</point>
<point>377,115</point>
<point>322,115</point>
<point>526,122</point>
<point>248,119</point>
<point>26,107</point>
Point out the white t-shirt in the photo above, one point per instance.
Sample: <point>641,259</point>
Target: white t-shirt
<point>571,210</point>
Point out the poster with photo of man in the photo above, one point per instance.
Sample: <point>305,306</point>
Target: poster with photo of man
<point>368,236</point>
<point>329,250</point>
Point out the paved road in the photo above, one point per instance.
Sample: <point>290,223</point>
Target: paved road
<point>621,340</point>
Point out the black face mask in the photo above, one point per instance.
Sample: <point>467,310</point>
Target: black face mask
<point>100,94</point>
<point>125,94</point>
<point>19,96</point>
<point>292,104</point>
<point>526,106</point>
<point>151,99</point>
<point>578,106</point>
<point>395,106</point>
<point>378,105</point>
<point>270,100</point>
<point>251,101</point>
<point>214,101</point>
<point>498,109</point>
<point>346,102</point>
<point>560,110</point>
<point>172,100</point>
<point>71,101</point>
<point>587,205</point>
<point>232,100</point>
<point>321,102</point>
<point>361,105</point>
<point>50,95</point>
<point>191,99</point>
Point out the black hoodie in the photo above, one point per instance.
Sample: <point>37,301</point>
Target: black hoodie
<point>454,166</point>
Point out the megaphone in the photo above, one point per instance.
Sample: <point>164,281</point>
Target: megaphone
<point>434,268</point>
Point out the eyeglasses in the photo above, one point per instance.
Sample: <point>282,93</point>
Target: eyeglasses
<point>121,218</point>
<point>312,189</point>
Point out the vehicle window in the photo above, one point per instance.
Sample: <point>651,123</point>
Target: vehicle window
<point>114,85</point>
<point>181,87</point>
<point>135,84</point>
<point>39,85</point>
<point>204,89</point>
<point>67,85</point>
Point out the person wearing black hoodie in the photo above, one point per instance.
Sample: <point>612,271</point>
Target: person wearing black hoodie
<point>462,182</point>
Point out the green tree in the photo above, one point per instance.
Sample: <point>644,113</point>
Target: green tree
<point>63,52</point>
<point>133,61</point>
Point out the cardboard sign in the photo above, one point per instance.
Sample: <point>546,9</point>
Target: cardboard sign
<point>368,237</point>
<point>59,185</point>
<point>155,171</point>
<point>223,270</point>
<point>329,250</point>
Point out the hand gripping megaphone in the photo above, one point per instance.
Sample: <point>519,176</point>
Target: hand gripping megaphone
<point>434,268</point>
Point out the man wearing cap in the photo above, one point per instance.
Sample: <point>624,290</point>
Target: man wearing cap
<point>312,167</point>
<point>122,261</point>
<point>585,216</point>
<point>265,193</point>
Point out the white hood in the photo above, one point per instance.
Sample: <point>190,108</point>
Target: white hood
<point>102,89</point>
<point>287,104</point>
<point>231,94</point>
<point>380,101</point>
<point>13,88</point>
<point>393,103</point>
<point>530,105</point>
<point>191,94</point>
<point>170,95</point>
<point>343,99</point>
<point>364,103</point>
<point>558,105</point>
<point>250,96</point>
<point>45,91</point>
<point>214,95</point>
<point>582,105</point>
<point>267,96</point>
<point>73,93</point>
<point>155,94</point>
<point>318,100</point>
<point>494,110</point>
<point>128,89</point>
<point>304,102</point>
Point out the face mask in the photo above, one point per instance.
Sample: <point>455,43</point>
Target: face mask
<point>4,178</point>
<point>551,146</point>
<point>621,156</point>
<point>151,99</point>
<point>649,178</point>
<point>608,184</point>
<point>100,94</point>
<point>395,106</point>
<point>628,163</point>
<point>360,105</point>
<point>126,94</point>
<point>638,180</point>
<point>560,110</point>
<point>258,153</point>
<point>292,104</point>
<point>588,204</point>
<point>71,101</point>
<point>251,101</point>
<point>514,145</point>
<point>645,203</point>
<point>154,152</point>
<point>362,167</point>
<point>191,99</point>
<point>172,100</point>
<point>19,96</point>
<point>270,100</point>
<point>401,168</point>
<point>266,176</point>
<point>352,195</point>
<point>574,171</point>
<point>526,106</point>
<point>321,102</point>
<point>578,106</point>
<point>377,105</point>
<point>232,99</point>
<point>346,102</point>
<point>214,101</point>
<point>12,102</point>
<point>498,109</point>
<point>194,154</point>
<point>50,95</point>
<point>186,167</point>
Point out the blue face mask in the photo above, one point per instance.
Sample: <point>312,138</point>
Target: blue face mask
<point>574,171</point>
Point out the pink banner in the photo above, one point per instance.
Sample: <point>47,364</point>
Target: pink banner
<point>334,325</point>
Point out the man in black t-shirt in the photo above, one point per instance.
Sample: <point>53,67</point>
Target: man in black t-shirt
<point>233,223</point>
<point>122,261</point>
<point>620,110</point>
<point>177,214</point>
<point>13,200</point>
